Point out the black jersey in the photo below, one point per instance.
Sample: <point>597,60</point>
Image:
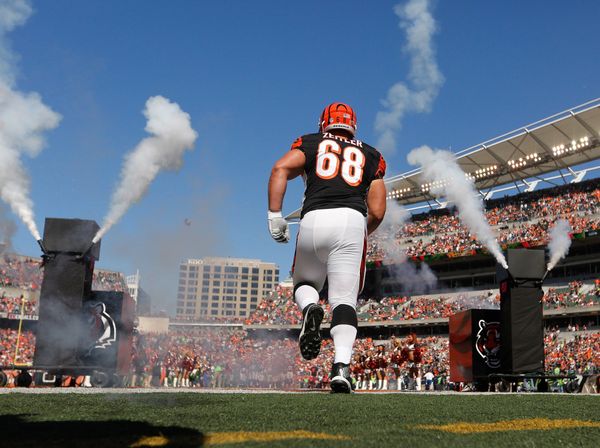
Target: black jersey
<point>338,172</point>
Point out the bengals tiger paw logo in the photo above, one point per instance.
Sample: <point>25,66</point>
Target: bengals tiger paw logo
<point>488,343</point>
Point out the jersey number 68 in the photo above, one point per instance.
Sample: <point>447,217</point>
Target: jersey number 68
<point>328,162</point>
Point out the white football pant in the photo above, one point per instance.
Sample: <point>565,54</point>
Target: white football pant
<point>332,244</point>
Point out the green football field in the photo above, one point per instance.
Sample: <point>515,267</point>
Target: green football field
<point>309,419</point>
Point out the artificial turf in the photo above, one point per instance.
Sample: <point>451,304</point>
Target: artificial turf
<point>362,420</point>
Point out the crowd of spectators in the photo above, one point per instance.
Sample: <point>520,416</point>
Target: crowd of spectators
<point>577,354</point>
<point>280,309</point>
<point>20,272</point>
<point>8,346</point>
<point>223,357</point>
<point>517,219</point>
<point>276,309</point>
<point>572,296</point>
<point>214,357</point>
<point>11,305</point>
<point>429,307</point>
<point>463,243</point>
<point>203,319</point>
<point>108,281</point>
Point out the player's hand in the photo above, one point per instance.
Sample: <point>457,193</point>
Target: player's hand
<point>278,227</point>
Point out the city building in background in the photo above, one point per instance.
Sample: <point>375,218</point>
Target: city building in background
<point>223,287</point>
<point>143,301</point>
<point>133,285</point>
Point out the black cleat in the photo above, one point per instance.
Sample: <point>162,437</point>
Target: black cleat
<point>341,382</point>
<point>310,335</point>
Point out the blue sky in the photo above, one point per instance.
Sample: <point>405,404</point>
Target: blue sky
<point>254,76</point>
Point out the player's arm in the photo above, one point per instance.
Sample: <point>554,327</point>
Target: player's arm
<point>376,205</point>
<point>290,166</point>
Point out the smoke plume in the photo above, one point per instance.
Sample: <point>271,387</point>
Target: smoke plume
<point>171,135</point>
<point>23,120</point>
<point>439,168</point>
<point>425,78</point>
<point>560,242</point>
<point>395,217</point>
<point>414,280</point>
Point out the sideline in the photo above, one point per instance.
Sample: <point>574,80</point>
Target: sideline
<point>163,390</point>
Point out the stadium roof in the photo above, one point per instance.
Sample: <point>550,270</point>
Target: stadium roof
<point>521,157</point>
<point>554,144</point>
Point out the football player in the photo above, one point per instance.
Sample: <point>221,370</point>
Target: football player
<point>344,201</point>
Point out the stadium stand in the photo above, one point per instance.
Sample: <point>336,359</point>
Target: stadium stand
<point>216,357</point>
<point>222,357</point>
<point>572,343</point>
<point>519,220</point>
<point>261,350</point>
<point>8,346</point>
<point>13,306</point>
<point>21,279</point>
<point>280,309</point>
<point>20,272</point>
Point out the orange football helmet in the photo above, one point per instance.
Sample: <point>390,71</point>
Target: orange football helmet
<point>338,116</point>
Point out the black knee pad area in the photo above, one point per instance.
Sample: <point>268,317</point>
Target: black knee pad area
<point>344,315</point>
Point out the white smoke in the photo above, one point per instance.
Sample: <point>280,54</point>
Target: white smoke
<point>23,120</point>
<point>414,280</point>
<point>560,242</point>
<point>449,181</point>
<point>172,135</point>
<point>424,76</point>
<point>395,218</point>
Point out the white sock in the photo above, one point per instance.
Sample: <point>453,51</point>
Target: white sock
<point>305,295</point>
<point>343,338</point>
